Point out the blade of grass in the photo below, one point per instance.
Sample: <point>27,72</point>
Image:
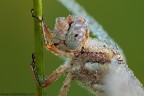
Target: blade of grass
<point>37,6</point>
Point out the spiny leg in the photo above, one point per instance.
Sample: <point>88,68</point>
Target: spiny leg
<point>66,85</point>
<point>51,78</point>
<point>33,67</point>
<point>47,35</point>
<point>46,30</point>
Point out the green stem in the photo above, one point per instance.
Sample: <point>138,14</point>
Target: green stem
<point>38,45</point>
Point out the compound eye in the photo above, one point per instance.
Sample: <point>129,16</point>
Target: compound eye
<point>76,35</point>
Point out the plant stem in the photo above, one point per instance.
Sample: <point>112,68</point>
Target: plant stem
<point>37,6</point>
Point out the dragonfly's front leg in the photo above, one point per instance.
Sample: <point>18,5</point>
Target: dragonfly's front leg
<point>47,35</point>
<point>51,78</point>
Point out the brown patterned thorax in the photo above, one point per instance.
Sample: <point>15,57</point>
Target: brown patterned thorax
<point>94,57</point>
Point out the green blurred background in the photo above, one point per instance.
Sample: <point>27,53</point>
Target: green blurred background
<point>122,19</point>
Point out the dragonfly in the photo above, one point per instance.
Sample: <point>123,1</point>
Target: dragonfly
<point>97,64</point>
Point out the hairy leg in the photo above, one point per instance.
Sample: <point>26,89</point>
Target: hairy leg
<point>47,35</point>
<point>51,78</point>
<point>66,85</point>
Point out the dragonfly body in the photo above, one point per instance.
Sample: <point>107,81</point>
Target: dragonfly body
<point>97,64</point>
<point>89,59</point>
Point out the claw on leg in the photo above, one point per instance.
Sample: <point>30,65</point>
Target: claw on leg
<point>33,67</point>
<point>47,34</point>
<point>51,78</point>
<point>33,15</point>
<point>45,29</point>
